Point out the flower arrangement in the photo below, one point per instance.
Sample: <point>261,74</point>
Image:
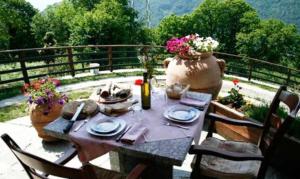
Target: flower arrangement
<point>147,61</point>
<point>43,92</point>
<point>191,45</point>
<point>234,98</point>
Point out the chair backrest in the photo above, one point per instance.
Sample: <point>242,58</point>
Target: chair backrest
<point>34,165</point>
<point>274,126</point>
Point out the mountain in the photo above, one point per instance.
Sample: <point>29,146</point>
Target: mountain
<point>162,8</point>
<point>285,10</point>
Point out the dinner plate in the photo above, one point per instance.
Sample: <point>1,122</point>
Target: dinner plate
<point>119,130</point>
<point>197,114</point>
<point>106,126</point>
<point>182,113</point>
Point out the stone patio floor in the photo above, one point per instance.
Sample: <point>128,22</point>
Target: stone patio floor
<point>24,134</point>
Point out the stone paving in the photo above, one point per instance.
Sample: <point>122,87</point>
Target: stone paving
<point>24,134</point>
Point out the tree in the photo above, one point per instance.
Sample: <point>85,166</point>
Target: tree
<point>220,19</point>
<point>173,26</point>
<point>223,19</point>
<point>49,41</point>
<point>16,17</point>
<point>88,4</point>
<point>58,19</point>
<point>272,41</point>
<point>110,22</point>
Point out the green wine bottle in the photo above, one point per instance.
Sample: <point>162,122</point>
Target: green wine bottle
<point>146,92</point>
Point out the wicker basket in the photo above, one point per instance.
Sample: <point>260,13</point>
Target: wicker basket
<point>175,91</point>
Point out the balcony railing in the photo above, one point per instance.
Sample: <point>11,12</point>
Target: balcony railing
<point>26,64</point>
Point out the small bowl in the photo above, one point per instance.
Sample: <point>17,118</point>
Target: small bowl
<point>175,91</point>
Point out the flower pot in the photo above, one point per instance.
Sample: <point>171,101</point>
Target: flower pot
<point>202,72</point>
<point>238,133</point>
<point>39,119</point>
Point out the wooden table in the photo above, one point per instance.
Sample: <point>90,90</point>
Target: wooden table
<point>161,154</point>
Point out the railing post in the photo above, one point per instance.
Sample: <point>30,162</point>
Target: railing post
<point>250,70</point>
<point>288,77</point>
<point>23,67</point>
<point>109,52</point>
<point>70,60</point>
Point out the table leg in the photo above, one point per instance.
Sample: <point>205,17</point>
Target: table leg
<point>125,164</point>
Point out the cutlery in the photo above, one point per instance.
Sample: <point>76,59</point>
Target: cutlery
<point>80,125</point>
<point>175,125</point>
<point>71,122</point>
<point>121,135</point>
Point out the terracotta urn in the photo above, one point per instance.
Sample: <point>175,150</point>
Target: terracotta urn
<point>39,119</point>
<point>202,72</point>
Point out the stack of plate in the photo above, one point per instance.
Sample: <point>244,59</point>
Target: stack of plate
<point>107,128</point>
<point>182,114</point>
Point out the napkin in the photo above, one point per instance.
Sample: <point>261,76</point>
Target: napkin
<point>136,132</point>
<point>193,102</point>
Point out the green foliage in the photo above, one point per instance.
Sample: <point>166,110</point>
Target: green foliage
<point>223,19</point>
<point>58,19</point>
<point>15,19</point>
<point>234,98</point>
<point>87,4</point>
<point>173,26</point>
<point>110,22</point>
<point>220,19</point>
<point>260,112</point>
<point>285,10</point>
<point>272,41</point>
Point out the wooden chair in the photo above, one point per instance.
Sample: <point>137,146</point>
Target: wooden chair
<point>231,159</point>
<point>37,167</point>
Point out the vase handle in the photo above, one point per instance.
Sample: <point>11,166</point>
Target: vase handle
<point>166,62</point>
<point>222,65</point>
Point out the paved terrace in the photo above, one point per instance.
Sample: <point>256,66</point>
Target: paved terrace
<point>24,134</point>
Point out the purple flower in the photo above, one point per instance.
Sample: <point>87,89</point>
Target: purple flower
<point>61,101</point>
<point>30,100</point>
<point>40,101</point>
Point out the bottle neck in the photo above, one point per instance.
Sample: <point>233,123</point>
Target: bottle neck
<point>145,75</point>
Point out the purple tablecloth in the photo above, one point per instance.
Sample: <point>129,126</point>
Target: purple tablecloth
<point>90,147</point>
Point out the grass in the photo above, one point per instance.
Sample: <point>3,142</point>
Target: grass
<point>12,91</point>
<point>14,111</point>
<point>20,110</point>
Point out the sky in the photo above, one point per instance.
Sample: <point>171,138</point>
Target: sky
<point>42,4</point>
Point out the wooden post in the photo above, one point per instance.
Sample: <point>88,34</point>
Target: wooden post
<point>250,70</point>
<point>109,52</point>
<point>70,60</point>
<point>23,67</point>
<point>288,77</point>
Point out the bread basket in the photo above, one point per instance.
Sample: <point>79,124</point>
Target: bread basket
<point>176,90</point>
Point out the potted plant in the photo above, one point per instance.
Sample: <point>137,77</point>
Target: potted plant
<point>194,64</point>
<point>45,103</point>
<point>235,106</point>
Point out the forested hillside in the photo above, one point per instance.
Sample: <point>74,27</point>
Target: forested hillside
<point>286,10</point>
<point>162,8</point>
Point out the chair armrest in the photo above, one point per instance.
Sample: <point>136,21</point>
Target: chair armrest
<point>228,120</point>
<point>136,171</point>
<point>67,156</point>
<point>236,156</point>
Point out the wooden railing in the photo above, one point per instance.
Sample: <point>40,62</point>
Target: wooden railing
<point>26,64</point>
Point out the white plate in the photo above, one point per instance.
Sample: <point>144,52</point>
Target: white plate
<point>119,130</point>
<point>166,115</point>
<point>182,113</point>
<point>106,126</point>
